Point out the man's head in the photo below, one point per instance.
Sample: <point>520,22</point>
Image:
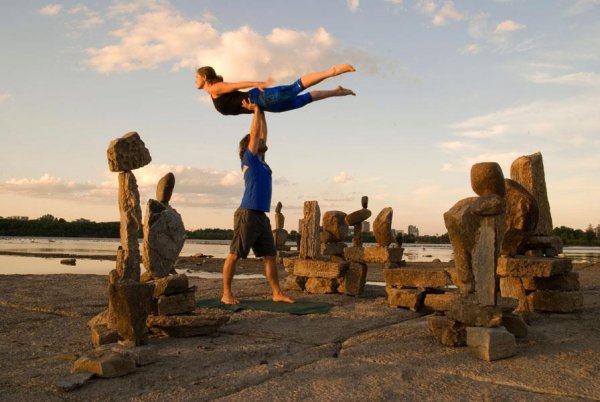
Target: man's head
<point>245,141</point>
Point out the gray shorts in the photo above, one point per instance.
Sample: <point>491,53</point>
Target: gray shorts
<point>252,230</point>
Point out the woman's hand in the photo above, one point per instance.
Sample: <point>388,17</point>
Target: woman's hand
<point>265,84</point>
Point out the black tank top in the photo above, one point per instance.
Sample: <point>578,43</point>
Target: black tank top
<point>231,103</point>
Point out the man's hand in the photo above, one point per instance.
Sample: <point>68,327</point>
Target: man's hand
<point>246,104</point>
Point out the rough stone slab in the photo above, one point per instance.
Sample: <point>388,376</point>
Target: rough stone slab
<point>564,282</point>
<point>491,343</point>
<point>279,238</point>
<point>164,237</point>
<point>164,188</point>
<point>408,298</point>
<point>142,355</point>
<point>545,243</point>
<point>321,285</point>
<point>73,381</point>
<point>516,325</point>
<point>105,364</point>
<point>484,261</point>
<point>381,255</point>
<point>523,266</point>
<point>128,257</point>
<point>333,248</point>
<point>319,269</point>
<point>102,335</point>
<point>474,315</point>
<point>310,245</point>
<point>382,227</point>
<point>354,253</point>
<point>288,264</point>
<point>334,224</point>
<point>203,322</point>
<point>129,305</point>
<point>448,332</point>
<point>354,280</point>
<point>416,277</point>
<point>440,301</point>
<point>555,301</point>
<point>520,218</point>
<point>177,304</point>
<point>127,153</point>
<point>528,170</point>
<point>293,282</point>
<point>512,287</point>
<point>170,285</point>
<point>357,217</point>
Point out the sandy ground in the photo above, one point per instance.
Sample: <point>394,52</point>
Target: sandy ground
<point>361,350</point>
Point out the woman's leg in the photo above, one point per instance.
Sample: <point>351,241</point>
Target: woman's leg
<point>339,91</point>
<point>311,79</point>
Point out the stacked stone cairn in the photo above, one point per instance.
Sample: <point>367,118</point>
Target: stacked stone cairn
<point>529,269</point>
<point>280,236</point>
<point>418,288</point>
<point>314,273</point>
<point>120,333</point>
<point>382,227</point>
<point>129,300</point>
<point>335,231</point>
<point>477,318</point>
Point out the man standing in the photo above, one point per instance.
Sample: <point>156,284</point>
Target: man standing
<point>252,228</point>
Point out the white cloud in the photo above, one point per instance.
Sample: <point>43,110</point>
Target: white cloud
<point>508,26</point>
<point>50,9</point>
<point>471,48</point>
<point>90,18</point>
<point>152,34</point>
<point>193,186</point>
<point>456,145</point>
<point>353,5</point>
<point>343,177</point>
<point>4,97</point>
<point>395,2</point>
<point>439,14</point>
<point>586,78</point>
<point>564,123</point>
<point>582,6</point>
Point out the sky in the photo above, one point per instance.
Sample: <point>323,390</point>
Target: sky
<point>440,85</point>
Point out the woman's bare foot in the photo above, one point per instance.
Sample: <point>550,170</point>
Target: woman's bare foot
<point>229,299</point>
<point>342,68</point>
<point>341,91</point>
<point>282,298</point>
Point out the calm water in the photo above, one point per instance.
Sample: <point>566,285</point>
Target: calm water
<point>216,248</point>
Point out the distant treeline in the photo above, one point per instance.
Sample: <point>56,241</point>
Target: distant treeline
<point>50,226</point>
<point>578,237</point>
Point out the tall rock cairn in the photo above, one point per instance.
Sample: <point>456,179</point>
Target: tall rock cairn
<point>356,219</point>
<point>129,300</point>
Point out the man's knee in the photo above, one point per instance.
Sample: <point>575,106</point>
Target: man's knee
<point>233,258</point>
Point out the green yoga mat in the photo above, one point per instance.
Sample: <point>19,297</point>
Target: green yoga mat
<point>298,308</point>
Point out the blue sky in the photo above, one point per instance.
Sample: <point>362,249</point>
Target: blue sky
<point>440,85</point>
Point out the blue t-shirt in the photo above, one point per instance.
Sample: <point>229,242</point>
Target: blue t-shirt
<point>258,185</point>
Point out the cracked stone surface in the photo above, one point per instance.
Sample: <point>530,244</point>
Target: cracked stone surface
<point>361,350</point>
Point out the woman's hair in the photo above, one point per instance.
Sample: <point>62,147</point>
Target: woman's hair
<point>244,142</point>
<point>209,74</point>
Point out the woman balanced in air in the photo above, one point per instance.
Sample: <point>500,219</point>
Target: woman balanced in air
<point>228,98</point>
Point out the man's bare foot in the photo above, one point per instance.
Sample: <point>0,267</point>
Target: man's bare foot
<point>282,298</point>
<point>342,68</point>
<point>229,299</point>
<point>341,91</point>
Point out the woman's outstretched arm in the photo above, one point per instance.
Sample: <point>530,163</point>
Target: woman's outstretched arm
<point>220,88</point>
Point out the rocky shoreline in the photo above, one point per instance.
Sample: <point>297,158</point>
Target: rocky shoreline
<point>362,349</point>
